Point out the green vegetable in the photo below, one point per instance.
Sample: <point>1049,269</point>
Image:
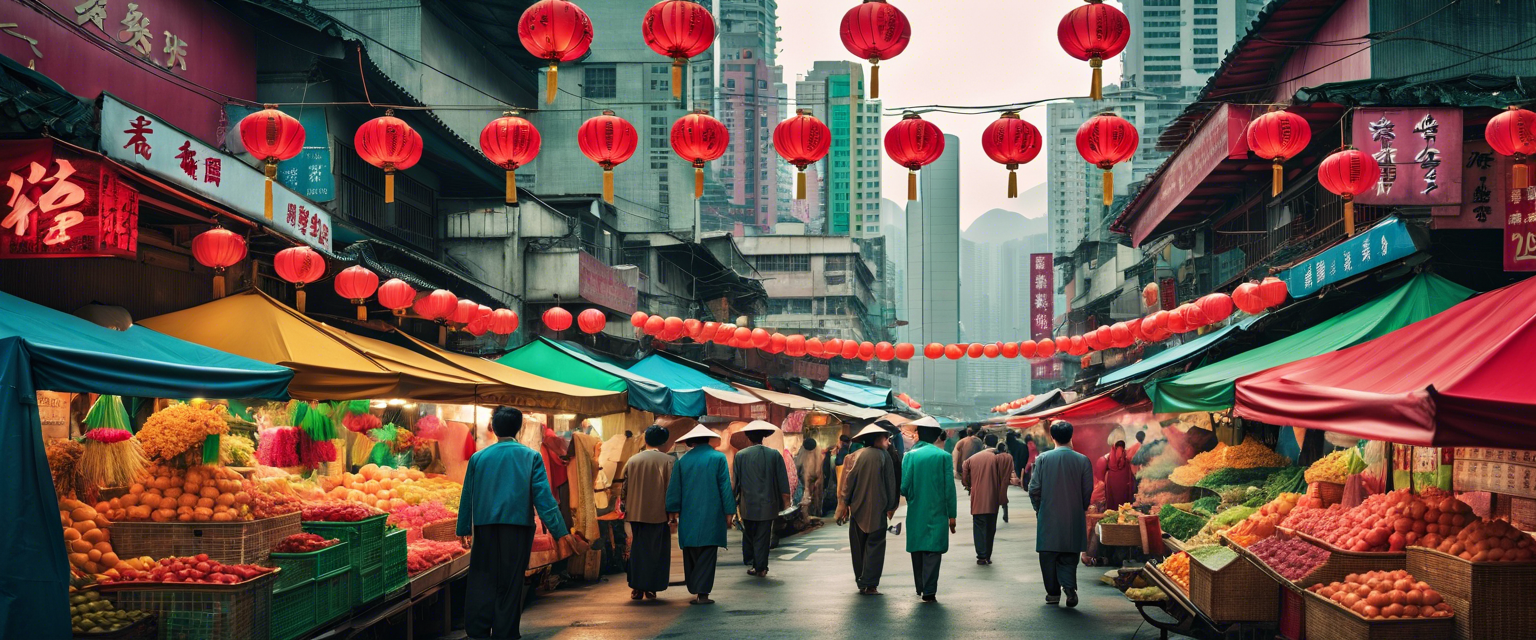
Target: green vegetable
<point>1232,516</point>
<point>1178,523</point>
<point>1207,506</point>
<point>1224,479</point>
<point>1213,557</point>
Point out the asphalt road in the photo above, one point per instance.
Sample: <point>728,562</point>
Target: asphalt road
<point>809,592</point>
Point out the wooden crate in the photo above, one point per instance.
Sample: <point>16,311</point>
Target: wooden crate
<point>1119,535</point>
<point>1326,620</point>
<point>1342,563</point>
<point>1236,592</point>
<point>1492,600</point>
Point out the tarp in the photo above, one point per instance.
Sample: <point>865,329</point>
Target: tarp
<point>1092,406</point>
<point>1458,378</point>
<point>332,364</point>
<point>675,375</point>
<point>604,404</point>
<point>1209,388</point>
<point>1174,355</point>
<point>857,394</point>
<point>793,402</point>
<point>45,349</point>
<point>645,394</point>
<point>1047,400</point>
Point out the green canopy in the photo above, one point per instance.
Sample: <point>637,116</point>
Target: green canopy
<point>1210,388</point>
<point>550,362</point>
<point>571,365</point>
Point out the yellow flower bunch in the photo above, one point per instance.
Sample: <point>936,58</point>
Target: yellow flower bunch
<point>1252,455</point>
<point>1331,468</point>
<point>440,490</point>
<point>178,428</point>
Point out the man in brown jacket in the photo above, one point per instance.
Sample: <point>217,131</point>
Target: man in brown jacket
<point>644,497</point>
<point>869,497</point>
<point>987,480</point>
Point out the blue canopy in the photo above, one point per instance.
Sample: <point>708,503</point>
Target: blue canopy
<point>677,376</point>
<point>856,394</point>
<point>45,349</point>
<point>1173,356</point>
<point>645,393</point>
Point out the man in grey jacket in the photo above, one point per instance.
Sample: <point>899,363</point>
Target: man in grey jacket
<point>1060,490</point>
<point>762,491</point>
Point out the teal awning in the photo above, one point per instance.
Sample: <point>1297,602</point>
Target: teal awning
<point>677,375</point>
<point>574,365</point>
<point>1174,355</point>
<point>861,395</point>
<point>1211,387</point>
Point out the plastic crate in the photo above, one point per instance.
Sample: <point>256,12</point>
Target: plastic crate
<point>147,628</point>
<point>364,538</point>
<point>300,568</point>
<point>333,596</point>
<point>203,612</point>
<point>248,542</point>
<point>395,552</point>
<point>371,584</point>
<point>293,611</point>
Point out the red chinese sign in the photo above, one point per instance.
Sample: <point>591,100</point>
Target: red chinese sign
<point>1042,295</point>
<point>1520,229</point>
<point>62,204</point>
<point>1048,369</point>
<point>1168,289</point>
<point>601,284</point>
<point>1419,150</point>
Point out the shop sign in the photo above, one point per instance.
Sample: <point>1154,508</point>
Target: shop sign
<point>53,412</point>
<point>139,139</point>
<point>1221,136</point>
<point>1047,369</point>
<point>1520,229</point>
<point>600,284</point>
<point>1168,289</point>
<point>1507,471</point>
<point>1377,246</point>
<point>1419,150</point>
<point>1483,184</point>
<point>58,204</point>
<point>1042,295</point>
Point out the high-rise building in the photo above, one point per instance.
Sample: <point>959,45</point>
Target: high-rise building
<point>746,24</point>
<point>1076,198</point>
<point>750,107</point>
<point>933,281</point>
<point>994,305</point>
<point>849,198</point>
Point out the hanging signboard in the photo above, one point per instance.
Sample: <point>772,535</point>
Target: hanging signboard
<point>55,203</point>
<point>1520,229</point>
<point>1419,150</point>
<point>1507,471</point>
<point>1168,289</point>
<point>141,140</point>
<point>310,173</point>
<point>1387,241</point>
<point>1483,183</point>
<point>1042,295</point>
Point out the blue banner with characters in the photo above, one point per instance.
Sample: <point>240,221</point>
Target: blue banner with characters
<point>1382,244</point>
<point>310,173</point>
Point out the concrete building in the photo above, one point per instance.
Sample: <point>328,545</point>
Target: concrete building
<point>849,198</point>
<point>1076,198</point>
<point>933,282</point>
<point>818,286</point>
<point>994,303</point>
<point>750,107</point>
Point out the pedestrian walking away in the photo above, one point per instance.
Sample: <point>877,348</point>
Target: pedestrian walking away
<point>504,484</point>
<point>762,490</point>
<point>969,444</point>
<point>1060,489</point>
<point>699,500</point>
<point>1005,468</point>
<point>928,484</point>
<point>643,494</point>
<point>868,499</point>
<point>987,479</point>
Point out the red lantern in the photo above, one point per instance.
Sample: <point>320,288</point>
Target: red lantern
<point>301,266</point>
<point>724,333</point>
<point>707,332</point>
<point>1079,346</point>
<point>465,311</point>
<point>397,296</point>
<point>1028,349</point>
<point>272,137</point>
<point>992,351</point>
<point>866,350</point>
<point>1093,32</point>
<point>510,142</point>
<point>438,306</point>
<point>794,346</point>
<point>905,351</point>
<point>679,30</point>
<point>1194,317</point>
<point>1149,295</point>
<point>742,335</point>
<point>933,351</point>
<point>1278,136</point>
<point>850,350</point>
<point>698,138</point>
<point>503,321</point>
<point>1011,141</point>
<point>592,321</point>
<point>691,328</point>
<point>1246,297</point>
<point>607,140</point>
<point>673,327</point>
<point>1120,335</point>
<point>357,283</point>
<point>815,348</point>
<point>1215,306</point>
<point>1273,291</point>
<point>1513,133</point>
<point>218,249</point>
<point>875,31</point>
<point>1009,349</point>
<point>557,31</point>
<point>654,325</point>
<point>954,351</point>
<point>557,319</point>
<point>1091,340</point>
<point>638,318</point>
<point>779,344</point>
<point>1045,348</point>
<point>801,140</point>
<point>914,143</point>
<point>390,144</point>
<point>761,338</point>
<point>1134,326</point>
<point>479,326</point>
<point>834,348</point>
<point>1106,140</point>
<point>1348,172</point>
<point>1174,322</point>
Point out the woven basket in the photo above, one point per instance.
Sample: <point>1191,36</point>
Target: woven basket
<point>443,530</point>
<point>245,542</point>
<point>1119,535</point>
<point>1326,620</point>
<point>1237,592</point>
<point>1330,493</point>
<point>1492,600</point>
<point>1293,615</point>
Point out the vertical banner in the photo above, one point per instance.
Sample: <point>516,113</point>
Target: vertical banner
<point>1520,229</point>
<point>1482,190</point>
<point>1042,295</point>
<point>1168,289</point>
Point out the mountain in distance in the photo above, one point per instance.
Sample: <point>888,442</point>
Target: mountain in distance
<point>1000,225</point>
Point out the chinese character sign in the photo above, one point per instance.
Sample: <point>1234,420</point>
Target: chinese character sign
<point>1482,185</point>
<point>140,139</point>
<point>310,173</point>
<point>1042,295</point>
<point>1047,369</point>
<point>1168,289</point>
<point>1420,153</point>
<point>62,204</point>
<point>1519,228</point>
<point>1386,242</point>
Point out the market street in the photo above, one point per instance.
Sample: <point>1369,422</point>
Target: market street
<point>809,592</point>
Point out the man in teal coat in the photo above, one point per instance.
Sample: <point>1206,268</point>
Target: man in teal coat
<point>1060,489</point>
<point>699,499</point>
<point>928,484</point>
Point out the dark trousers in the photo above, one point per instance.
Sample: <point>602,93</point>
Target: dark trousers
<point>493,600</point>
<point>755,540</point>
<point>650,556</point>
<point>868,551</point>
<point>925,571</point>
<point>1059,570</point>
<point>983,530</point>
<point>699,567</point>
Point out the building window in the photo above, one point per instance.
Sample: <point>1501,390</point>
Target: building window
<point>1205,32</point>
<point>782,262</point>
<point>1205,41</point>
<point>788,305</point>
<point>1205,21</point>
<point>599,82</point>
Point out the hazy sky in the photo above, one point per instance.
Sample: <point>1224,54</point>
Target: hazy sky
<point>975,52</point>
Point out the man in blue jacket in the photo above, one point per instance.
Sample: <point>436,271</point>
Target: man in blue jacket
<point>1060,489</point>
<point>503,486</point>
<point>700,500</point>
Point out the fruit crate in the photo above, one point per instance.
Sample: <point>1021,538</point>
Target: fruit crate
<point>240,611</point>
<point>1490,599</point>
<point>1119,535</point>
<point>460,564</point>
<point>444,530</point>
<point>1326,620</point>
<point>364,538</point>
<point>300,568</point>
<point>1235,591</point>
<point>248,542</point>
<point>333,596</point>
<point>371,584</point>
<point>395,554</point>
<point>146,628</point>
<point>293,611</point>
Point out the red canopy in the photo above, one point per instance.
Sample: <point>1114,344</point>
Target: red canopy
<point>1457,378</point>
<point>1093,418</point>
